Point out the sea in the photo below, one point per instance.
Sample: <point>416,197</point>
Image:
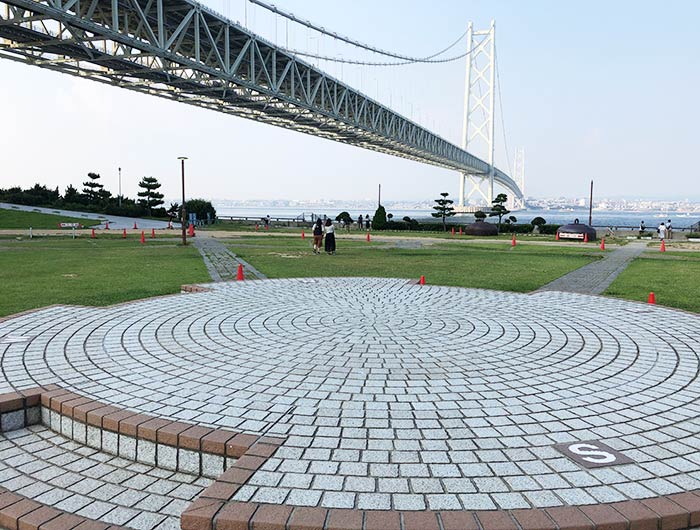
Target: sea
<point>600,218</point>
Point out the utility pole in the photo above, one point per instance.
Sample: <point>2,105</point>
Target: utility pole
<point>379,199</point>
<point>184,230</point>
<point>120,187</point>
<point>590,207</point>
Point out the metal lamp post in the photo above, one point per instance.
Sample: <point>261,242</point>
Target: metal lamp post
<point>120,187</point>
<point>184,230</point>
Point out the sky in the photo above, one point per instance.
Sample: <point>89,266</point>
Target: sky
<point>590,89</point>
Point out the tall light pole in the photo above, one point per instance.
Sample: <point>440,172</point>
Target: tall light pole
<point>120,187</point>
<point>184,230</point>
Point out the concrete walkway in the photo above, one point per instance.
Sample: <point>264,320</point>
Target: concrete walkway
<point>116,222</point>
<point>221,263</point>
<point>595,277</point>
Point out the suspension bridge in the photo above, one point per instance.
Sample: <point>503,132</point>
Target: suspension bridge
<point>184,51</point>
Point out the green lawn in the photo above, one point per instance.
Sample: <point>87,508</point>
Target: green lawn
<point>491,266</point>
<point>10,219</point>
<point>97,272</point>
<point>674,277</point>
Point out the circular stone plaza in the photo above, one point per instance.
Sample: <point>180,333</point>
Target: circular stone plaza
<point>348,404</point>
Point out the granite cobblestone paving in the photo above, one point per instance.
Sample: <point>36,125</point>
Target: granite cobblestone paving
<point>42,465</point>
<point>396,396</point>
<point>221,263</point>
<point>597,276</point>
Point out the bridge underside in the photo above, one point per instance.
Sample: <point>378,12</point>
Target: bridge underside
<point>182,51</point>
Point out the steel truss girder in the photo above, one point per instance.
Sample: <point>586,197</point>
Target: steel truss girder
<point>181,50</point>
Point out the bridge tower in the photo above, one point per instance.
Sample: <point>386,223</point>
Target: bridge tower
<point>519,178</point>
<point>479,97</point>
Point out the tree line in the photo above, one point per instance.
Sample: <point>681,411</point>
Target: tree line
<point>94,197</point>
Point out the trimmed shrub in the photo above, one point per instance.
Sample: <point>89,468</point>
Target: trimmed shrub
<point>379,219</point>
<point>549,229</point>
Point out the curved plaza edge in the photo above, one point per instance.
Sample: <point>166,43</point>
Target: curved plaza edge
<point>398,398</point>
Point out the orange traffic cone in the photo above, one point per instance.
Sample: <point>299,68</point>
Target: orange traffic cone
<point>124,234</point>
<point>602,244</point>
<point>153,233</point>
<point>93,234</point>
<point>368,238</point>
<point>557,235</point>
<point>135,227</point>
<point>422,280</point>
<point>585,237</point>
<point>663,246</point>
<point>652,298</point>
<point>453,230</point>
<point>239,274</point>
<point>302,234</point>
<point>512,242</point>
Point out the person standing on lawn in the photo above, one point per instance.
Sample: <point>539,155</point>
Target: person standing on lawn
<point>318,236</point>
<point>330,237</point>
<point>662,231</point>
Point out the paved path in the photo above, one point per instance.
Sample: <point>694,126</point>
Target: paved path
<point>595,277</point>
<point>221,263</point>
<point>396,396</point>
<point>116,222</point>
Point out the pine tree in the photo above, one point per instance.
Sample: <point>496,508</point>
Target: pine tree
<point>443,209</point>
<point>93,189</point>
<point>150,197</point>
<point>498,208</point>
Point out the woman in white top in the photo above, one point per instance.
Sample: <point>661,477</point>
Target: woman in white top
<point>662,231</point>
<point>330,236</point>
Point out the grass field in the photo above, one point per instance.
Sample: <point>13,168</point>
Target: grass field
<point>674,277</point>
<point>96,272</point>
<point>226,226</point>
<point>492,266</point>
<point>17,219</point>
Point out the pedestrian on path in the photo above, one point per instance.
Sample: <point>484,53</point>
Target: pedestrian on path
<point>318,235</point>
<point>661,231</point>
<point>359,222</point>
<point>330,236</point>
<point>669,230</point>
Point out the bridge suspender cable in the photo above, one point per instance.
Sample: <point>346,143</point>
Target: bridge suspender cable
<point>404,58</point>
<point>500,104</point>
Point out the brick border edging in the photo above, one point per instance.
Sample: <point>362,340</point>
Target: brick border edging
<point>128,433</point>
<point>672,512</point>
<point>214,509</point>
<point>57,405</point>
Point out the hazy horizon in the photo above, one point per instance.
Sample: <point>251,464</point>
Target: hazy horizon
<point>580,87</point>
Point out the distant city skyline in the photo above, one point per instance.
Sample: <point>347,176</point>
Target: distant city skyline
<point>585,90</point>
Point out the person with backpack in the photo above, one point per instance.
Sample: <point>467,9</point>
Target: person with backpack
<point>318,236</point>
